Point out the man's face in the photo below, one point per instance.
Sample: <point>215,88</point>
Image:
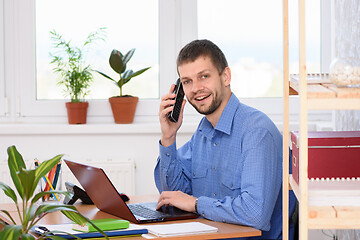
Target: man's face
<point>203,85</point>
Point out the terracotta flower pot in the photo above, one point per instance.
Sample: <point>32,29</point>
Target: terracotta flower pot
<point>77,112</point>
<point>123,108</point>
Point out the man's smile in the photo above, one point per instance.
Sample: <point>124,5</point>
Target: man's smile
<point>202,98</point>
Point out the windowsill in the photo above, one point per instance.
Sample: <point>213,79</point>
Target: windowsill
<point>87,129</point>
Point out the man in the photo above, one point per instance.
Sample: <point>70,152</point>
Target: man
<point>231,169</point>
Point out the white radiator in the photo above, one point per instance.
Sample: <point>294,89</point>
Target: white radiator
<point>120,172</point>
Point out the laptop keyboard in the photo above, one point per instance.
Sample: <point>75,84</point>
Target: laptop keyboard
<point>146,212</point>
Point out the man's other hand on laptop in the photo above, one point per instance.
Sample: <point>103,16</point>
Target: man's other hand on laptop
<point>177,199</point>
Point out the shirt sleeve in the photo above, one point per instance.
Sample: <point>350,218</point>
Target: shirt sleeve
<point>172,171</point>
<point>260,185</point>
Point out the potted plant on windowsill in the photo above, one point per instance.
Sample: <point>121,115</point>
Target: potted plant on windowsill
<point>123,106</point>
<point>29,209</point>
<point>75,75</point>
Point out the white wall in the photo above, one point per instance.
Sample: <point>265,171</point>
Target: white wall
<point>98,142</point>
<point>138,142</point>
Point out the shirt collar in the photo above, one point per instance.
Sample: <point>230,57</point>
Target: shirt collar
<point>227,116</point>
<point>226,119</point>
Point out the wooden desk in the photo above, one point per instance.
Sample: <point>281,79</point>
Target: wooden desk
<point>225,230</point>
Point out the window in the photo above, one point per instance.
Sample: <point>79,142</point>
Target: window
<point>40,106</point>
<point>245,39</point>
<point>251,35</point>
<point>129,24</point>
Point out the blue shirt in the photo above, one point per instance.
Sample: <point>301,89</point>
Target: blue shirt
<point>235,169</point>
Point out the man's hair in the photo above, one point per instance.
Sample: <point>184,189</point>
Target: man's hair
<point>204,47</point>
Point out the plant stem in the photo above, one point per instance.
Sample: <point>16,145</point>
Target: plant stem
<point>25,216</point>
<point>19,212</point>
<point>35,221</point>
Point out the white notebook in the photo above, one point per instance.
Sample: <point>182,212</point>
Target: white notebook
<point>177,229</point>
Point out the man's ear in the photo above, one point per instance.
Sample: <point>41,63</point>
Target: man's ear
<point>226,75</point>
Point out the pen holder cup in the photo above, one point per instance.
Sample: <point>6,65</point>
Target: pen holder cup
<point>51,182</point>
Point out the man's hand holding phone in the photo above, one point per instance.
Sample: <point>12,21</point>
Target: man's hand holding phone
<point>171,113</point>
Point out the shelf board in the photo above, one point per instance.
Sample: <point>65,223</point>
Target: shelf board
<point>329,217</point>
<point>334,217</point>
<point>334,103</point>
<point>326,90</point>
<point>323,95</point>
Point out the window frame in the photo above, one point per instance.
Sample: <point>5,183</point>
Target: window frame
<point>177,26</point>
<point>4,108</point>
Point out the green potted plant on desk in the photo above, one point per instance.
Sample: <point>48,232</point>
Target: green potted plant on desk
<point>29,210</point>
<point>122,106</point>
<point>75,75</point>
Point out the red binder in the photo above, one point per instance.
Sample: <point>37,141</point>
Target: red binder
<point>331,154</point>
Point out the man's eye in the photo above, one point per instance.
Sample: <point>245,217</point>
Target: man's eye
<point>204,76</point>
<point>186,82</point>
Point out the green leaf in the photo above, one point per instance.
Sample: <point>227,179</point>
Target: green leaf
<point>41,194</point>
<point>75,217</point>
<point>105,75</point>
<point>8,214</point>
<point>27,179</point>
<point>8,191</point>
<point>27,237</point>
<point>116,61</point>
<point>30,214</point>
<point>79,219</point>
<point>135,74</point>
<point>127,76</point>
<point>128,56</point>
<point>48,208</point>
<point>99,34</point>
<point>16,162</point>
<point>10,232</point>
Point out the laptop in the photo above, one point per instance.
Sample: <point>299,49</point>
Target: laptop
<point>106,198</point>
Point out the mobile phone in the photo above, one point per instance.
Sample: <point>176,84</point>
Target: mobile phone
<point>179,91</point>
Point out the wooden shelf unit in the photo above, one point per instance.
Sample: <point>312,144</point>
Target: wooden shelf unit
<point>329,217</point>
<point>321,95</point>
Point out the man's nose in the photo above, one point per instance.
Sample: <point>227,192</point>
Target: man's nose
<point>196,86</point>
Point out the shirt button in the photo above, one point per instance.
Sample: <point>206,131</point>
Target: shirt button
<point>214,194</point>
<point>215,144</point>
<point>194,174</point>
<point>167,155</point>
<point>223,221</point>
<point>214,168</point>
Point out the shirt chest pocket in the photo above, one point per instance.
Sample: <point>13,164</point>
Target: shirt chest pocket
<point>199,173</point>
<point>199,181</point>
<point>231,180</point>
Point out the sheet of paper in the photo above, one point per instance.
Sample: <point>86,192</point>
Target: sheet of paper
<point>177,229</point>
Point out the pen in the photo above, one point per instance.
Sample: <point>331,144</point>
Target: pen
<point>57,173</point>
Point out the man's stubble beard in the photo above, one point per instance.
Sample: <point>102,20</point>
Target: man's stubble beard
<point>215,103</point>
